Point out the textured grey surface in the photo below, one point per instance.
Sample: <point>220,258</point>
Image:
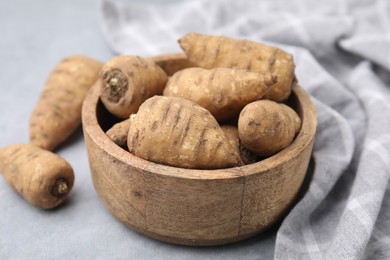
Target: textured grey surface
<point>34,36</point>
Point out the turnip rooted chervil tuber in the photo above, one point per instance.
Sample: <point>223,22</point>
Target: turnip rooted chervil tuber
<point>39,176</point>
<point>208,52</point>
<point>178,132</point>
<point>118,133</point>
<point>266,127</point>
<point>231,133</point>
<point>222,91</point>
<point>57,113</point>
<point>127,81</point>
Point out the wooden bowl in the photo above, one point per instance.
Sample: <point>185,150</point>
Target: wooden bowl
<point>196,207</point>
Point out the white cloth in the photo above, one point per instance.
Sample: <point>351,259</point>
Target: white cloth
<point>342,53</point>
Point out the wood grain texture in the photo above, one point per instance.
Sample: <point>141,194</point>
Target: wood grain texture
<point>196,207</point>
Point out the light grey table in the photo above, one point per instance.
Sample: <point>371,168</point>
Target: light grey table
<point>34,36</point>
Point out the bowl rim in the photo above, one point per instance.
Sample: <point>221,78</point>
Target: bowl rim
<point>305,136</point>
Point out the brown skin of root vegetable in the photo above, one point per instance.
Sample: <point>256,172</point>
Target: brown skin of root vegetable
<point>57,113</point>
<point>266,127</point>
<point>222,91</point>
<point>127,81</point>
<point>231,133</point>
<point>208,52</point>
<point>178,132</point>
<point>118,133</point>
<point>39,176</point>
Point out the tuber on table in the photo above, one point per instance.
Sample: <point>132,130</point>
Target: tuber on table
<point>208,52</point>
<point>266,127</point>
<point>178,132</point>
<point>222,91</point>
<point>127,81</point>
<point>39,176</point>
<point>57,113</point>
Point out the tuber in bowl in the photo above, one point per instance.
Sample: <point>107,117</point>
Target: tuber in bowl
<point>196,207</point>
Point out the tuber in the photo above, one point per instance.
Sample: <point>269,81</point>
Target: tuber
<point>266,127</point>
<point>231,133</point>
<point>40,176</point>
<point>127,81</point>
<point>222,91</point>
<point>118,133</point>
<point>57,113</point>
<point>208,52</point>
<point>178,132</point>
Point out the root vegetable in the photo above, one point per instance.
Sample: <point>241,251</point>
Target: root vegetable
<point>231,133</point>
<point>222,91</point>
<point>41,177</point>
<point>118,133</point>
<point>178,132</point>
<point>58,111</point>
<point>219,51</point>
<point>127,81</point>
<point>266,127</point>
